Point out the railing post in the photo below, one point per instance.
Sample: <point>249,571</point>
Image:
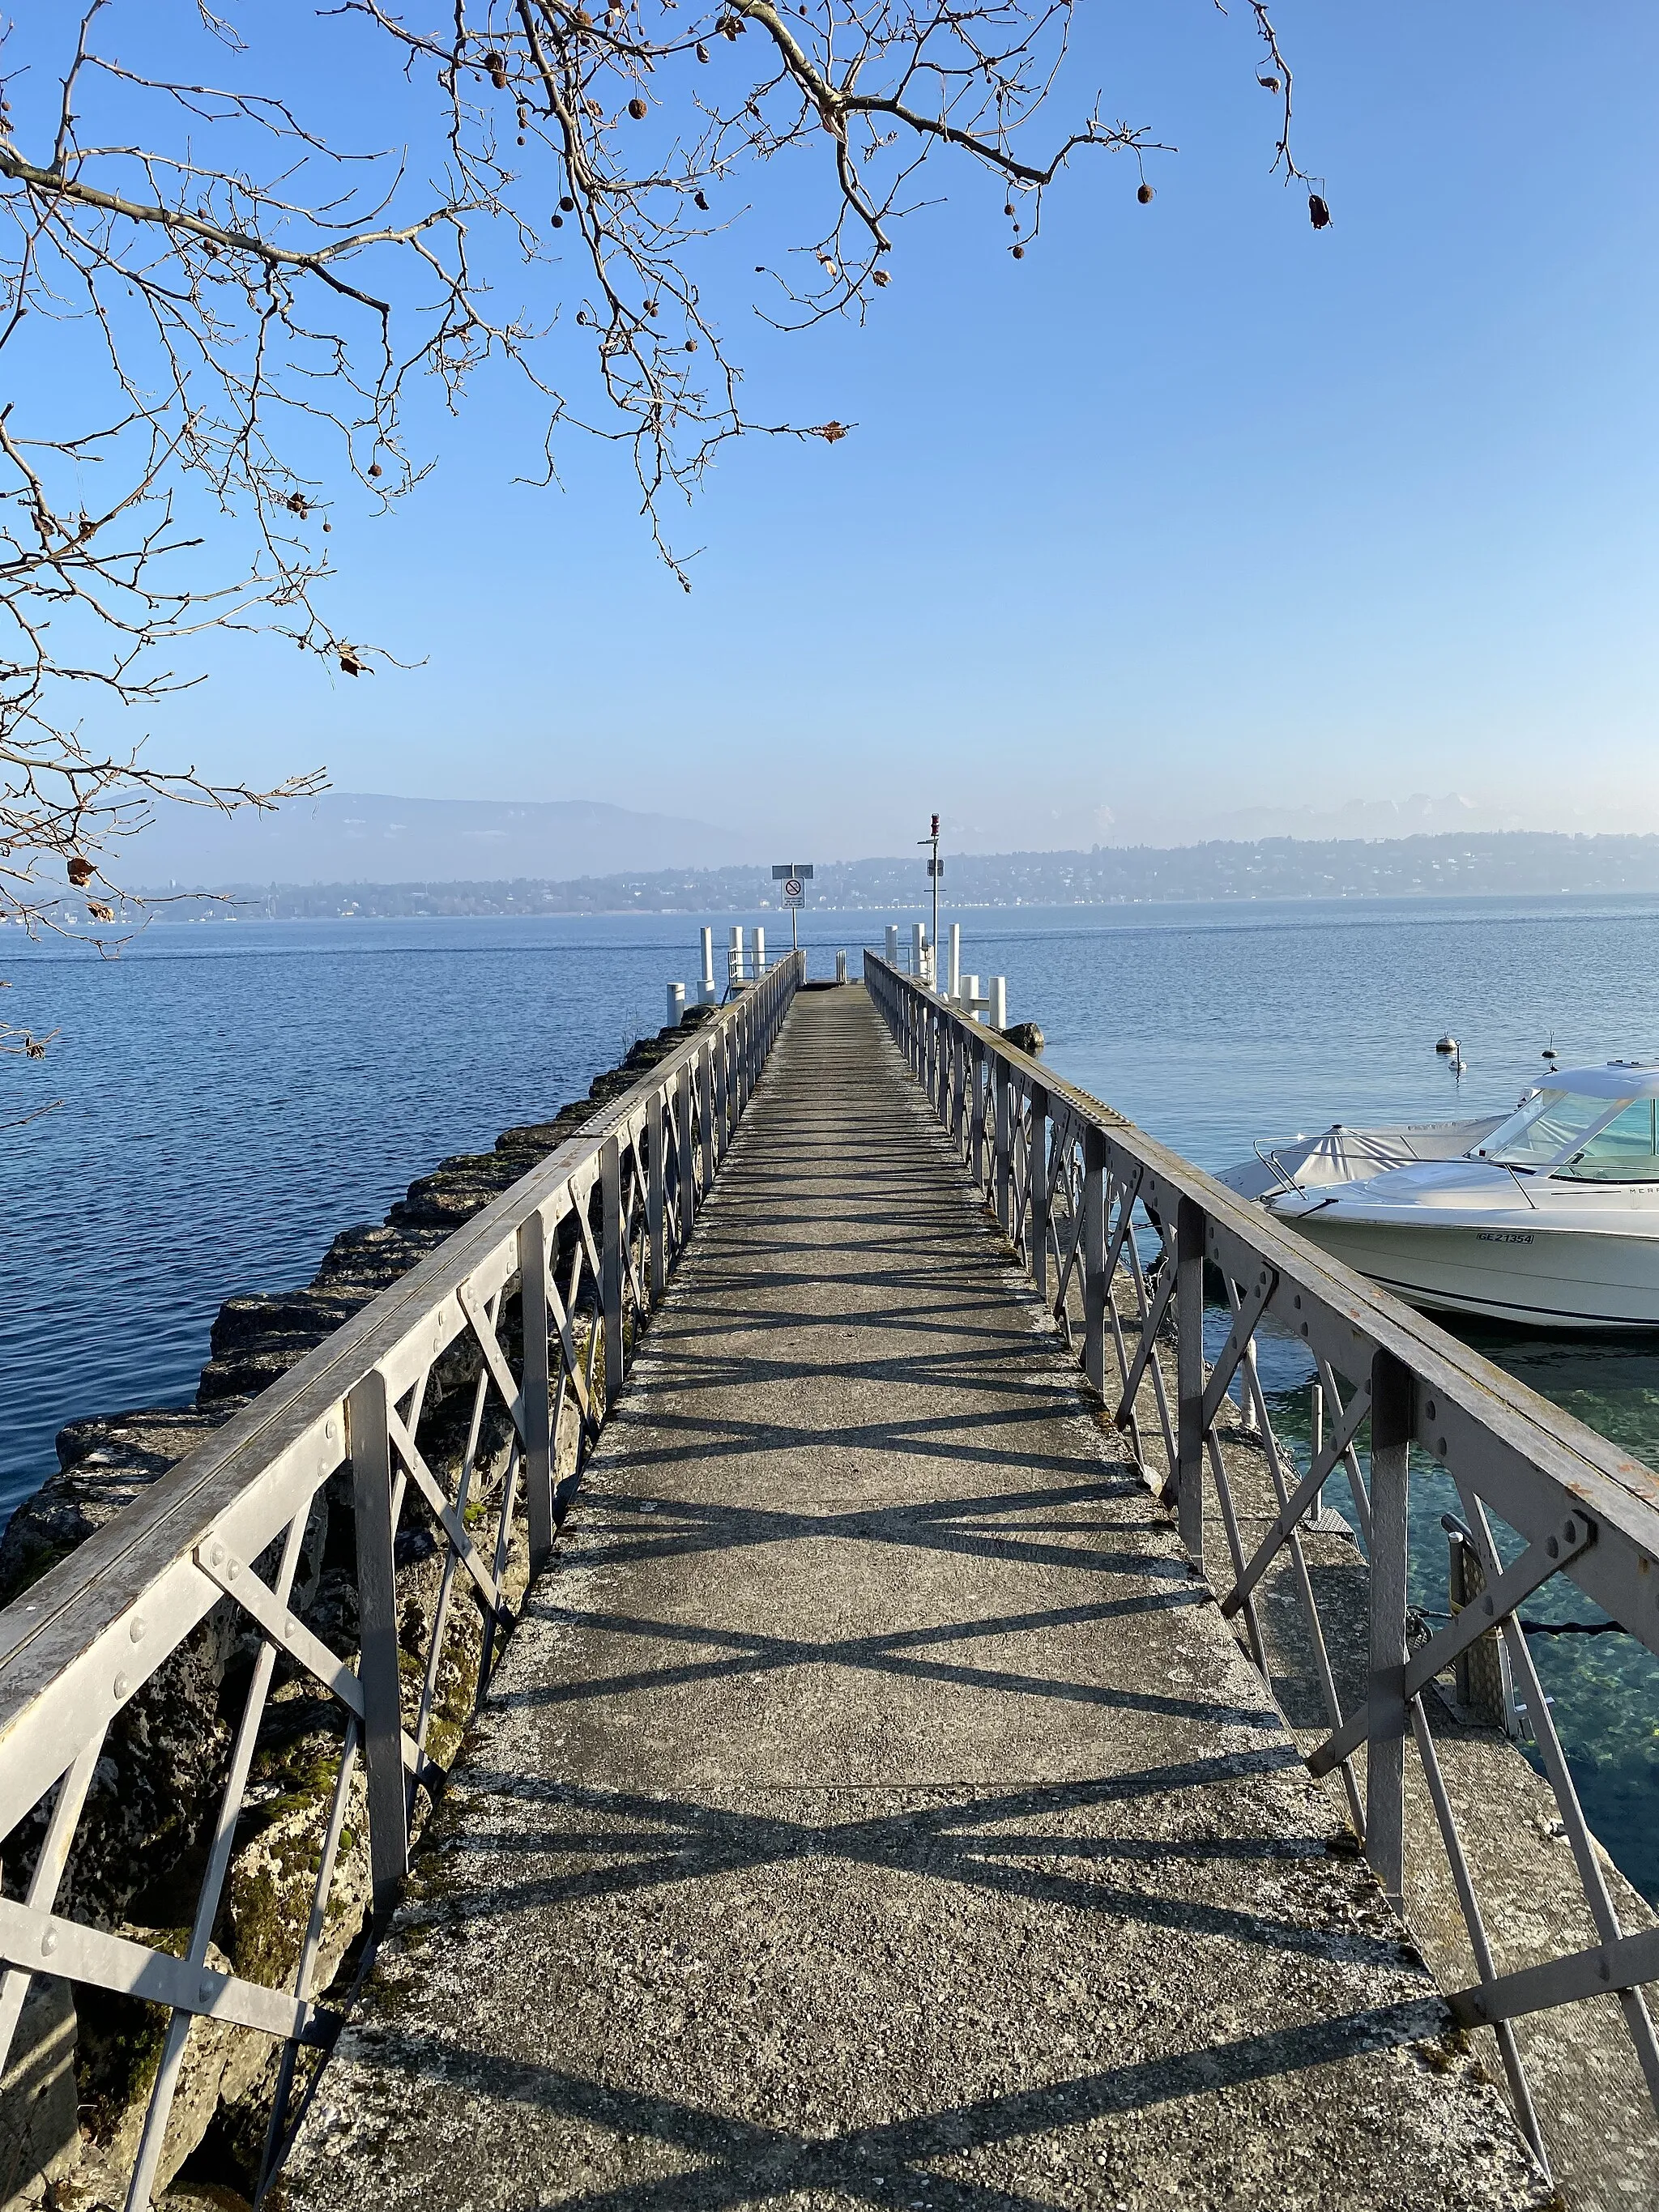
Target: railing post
<point>656,1194</point>
<point>536,1387</point>
<point>976,1076</point>
<point>1189,1376</point>
<point>1385,1748</point>
<point>610,1261</point>
<point>685,1137</point>
<point>1002,1141</point>
<point>717,1096</point>
<point>1096,1288</point>
<point>706,1111</point>
<point>368,1441</point>
<point>1036,1177</point>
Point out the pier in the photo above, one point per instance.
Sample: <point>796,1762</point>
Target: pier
<point>922,1744</point>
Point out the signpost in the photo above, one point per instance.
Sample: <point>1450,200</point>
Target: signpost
<point>794,876</point>
<point>935,869</point>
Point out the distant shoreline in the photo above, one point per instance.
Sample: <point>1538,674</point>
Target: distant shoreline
<point>1510,863</point>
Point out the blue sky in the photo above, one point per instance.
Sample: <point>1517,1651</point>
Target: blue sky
<point>1193,512</point>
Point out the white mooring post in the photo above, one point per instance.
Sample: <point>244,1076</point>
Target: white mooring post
<point>706,988</point>
<point>840,967</point>
<point>953,966</point>
<point>759,968</point>
<point>893,944</point>
<point>970,997</point>
<point>1247,1421</point>
<point>919,950</point>
<point>734,956</point>
<point>676,1004</point>
<point>999,1008</point>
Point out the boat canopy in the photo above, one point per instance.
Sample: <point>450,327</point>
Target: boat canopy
<point>1590,1125</point>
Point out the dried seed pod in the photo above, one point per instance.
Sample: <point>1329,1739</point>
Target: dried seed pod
<point>80,871</point>
<point>690,345</point>
<point>1318,214</point>
<point>327,526</point>
<point>496,64</point>
<point>568,206</point>
<point>375,469</point>
<point>879,276</point>
<point>1268,83</point>
<point>701,199</point>
<point>350,664</point>
<point>702,51</point>
<point>520,139</point>
<point>558,222</point>
<point>1009,209</point>
<point>1144,195</point>
<point>1019,253</point>
<point>636,108</point>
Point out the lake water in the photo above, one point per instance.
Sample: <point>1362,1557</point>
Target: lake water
<point>236,1093</point>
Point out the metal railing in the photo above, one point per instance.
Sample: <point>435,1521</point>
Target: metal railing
<point>1117,1233</point>
<point>559,1274</point>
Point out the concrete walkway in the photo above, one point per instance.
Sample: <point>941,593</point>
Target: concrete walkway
<point>872,1807</point>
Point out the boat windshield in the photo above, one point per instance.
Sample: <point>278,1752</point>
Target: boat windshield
<point>1548,1126</point>
<point>1625,1150</point>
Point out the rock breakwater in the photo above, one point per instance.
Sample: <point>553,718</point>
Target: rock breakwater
<point>75,2089</point>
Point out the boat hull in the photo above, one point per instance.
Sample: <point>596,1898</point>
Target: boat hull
<point>1532,1277</point>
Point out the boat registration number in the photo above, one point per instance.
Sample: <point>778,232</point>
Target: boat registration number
<point>1503,1236</point>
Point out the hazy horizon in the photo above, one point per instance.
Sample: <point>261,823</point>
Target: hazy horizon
<point>1192,522</point>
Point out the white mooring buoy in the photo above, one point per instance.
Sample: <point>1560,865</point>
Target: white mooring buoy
<point>1447,1043</point>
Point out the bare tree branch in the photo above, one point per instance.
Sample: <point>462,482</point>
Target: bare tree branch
<point>251,305</point>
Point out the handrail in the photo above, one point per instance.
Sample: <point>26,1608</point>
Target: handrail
<point>1118,1232</point>
<point>82,1643</point>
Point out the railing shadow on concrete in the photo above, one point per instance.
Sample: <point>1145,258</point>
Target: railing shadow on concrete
<point>522,1326</point>
<point>1120,1236</point>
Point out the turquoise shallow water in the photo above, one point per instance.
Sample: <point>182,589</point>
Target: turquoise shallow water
<point>236,1093</point>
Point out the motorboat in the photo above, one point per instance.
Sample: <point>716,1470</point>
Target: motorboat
<point>1547,1216</point>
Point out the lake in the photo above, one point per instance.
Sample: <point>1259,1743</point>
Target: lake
<point>235,1093</point>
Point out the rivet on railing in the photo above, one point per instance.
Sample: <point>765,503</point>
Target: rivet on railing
<point>49,1941</point>
<point>1429,1408</point>
<point>217,1555</point>
<point>1553,1549</point>
<point>136,1631</point>
<point>207,1990</point>
<point>1439,1442</point>
<point>122,1686</point>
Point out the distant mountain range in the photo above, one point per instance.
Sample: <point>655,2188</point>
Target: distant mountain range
<point>363,837</point>
<point>1515,863</point>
